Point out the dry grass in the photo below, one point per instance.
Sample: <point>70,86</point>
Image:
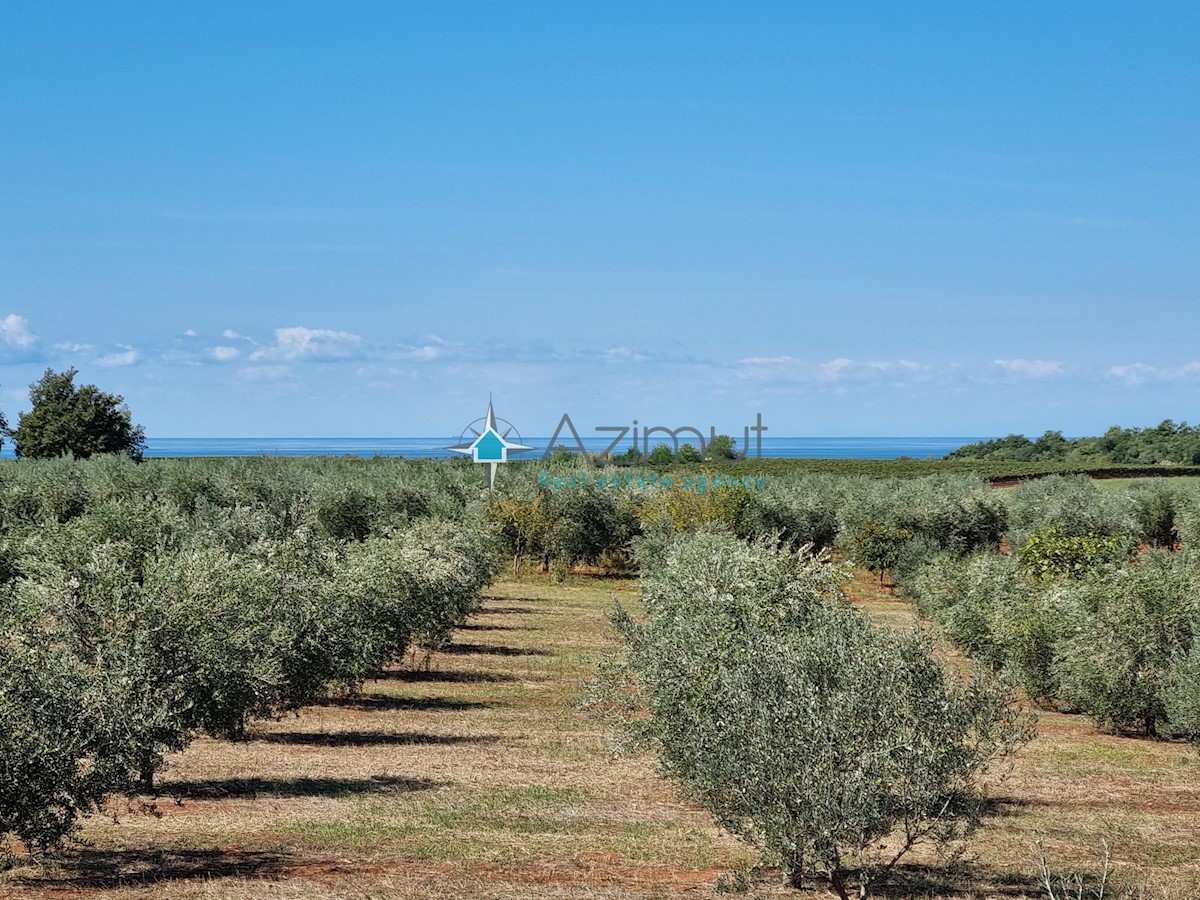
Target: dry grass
<point>472,774</point>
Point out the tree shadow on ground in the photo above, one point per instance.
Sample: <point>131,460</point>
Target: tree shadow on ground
<point>99,869</point>
<point>512,611</point>
<point>251,788</point>
<point>371,738</point>
<point>492,650</point>
<point>437,675</point>
<point>386,702</point>
<point>963,880</point>
<point>494,628</point>
<point>1006,806</point>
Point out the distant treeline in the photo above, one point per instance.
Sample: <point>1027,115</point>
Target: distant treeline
<point>1165,444</point>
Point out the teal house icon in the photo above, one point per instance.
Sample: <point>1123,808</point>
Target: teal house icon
<point>490,445</point>
<point>490,448</point>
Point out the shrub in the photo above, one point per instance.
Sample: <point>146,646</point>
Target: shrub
<point>346,512</point>
<point>586,524</point>
<point>661,455</point>
<point>794,511</point>
<point>966,596</point>
<point>957,512</point>
<point>142,604</point>
<point>1181,691</point>
<point>1154,503</point>
<point>1050,553</point>
<point>1074,504</point>
<point>722,447</point>
<point>522,525</point>
<point>877,547</point>
<point>49,771</point>
<point>1187,517</point>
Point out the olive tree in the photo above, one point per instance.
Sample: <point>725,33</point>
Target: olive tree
<point>1127,645</point>
<point>834,744</point>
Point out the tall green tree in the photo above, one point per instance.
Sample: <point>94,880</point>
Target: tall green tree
<point>78,421</point>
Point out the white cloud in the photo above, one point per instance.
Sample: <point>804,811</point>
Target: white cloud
<point>230,334</point>
<point>191,332</point>
<point>625,354</point>
<point>224,354</point>
<point>15,331</point>
<point>423,352</point>
<point>768,361</point>
<point>1140,373</point>
<point>834,374</point>
<point>126,357</point>
<point>1031,368</point>
<point>72,347</point>
<point>835,369</point>
<point>259,374</point>
<point>296,343</point>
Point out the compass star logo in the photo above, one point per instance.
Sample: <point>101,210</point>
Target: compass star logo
<point>487,443</point>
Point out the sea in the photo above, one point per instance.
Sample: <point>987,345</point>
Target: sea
<point>436,447</point>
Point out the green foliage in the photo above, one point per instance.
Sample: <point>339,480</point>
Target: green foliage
<point>1117,641</point>
<point>1154,506</point>
<point>1180,692</point>
<point>1050,553</point>
<point>143,604</point>
<point>955,512</point>
<point>661,455</point>
<point>561,454</point>
<point>965,597</point>
<point>688,509</point>
<point>48,744</point>
<point>877,547</point>
<point>1074,505</point>
<point>1124,636</point>
<point>722,447</point>
<point>688,454</point>
<point>522,523</point>
<point>794,511</point>
<point>816,763</point>
<point>347,513</point>
<point>1187,517</point>
<point>587,523</point>
<point>1166,443</point>
<point>75,421</point>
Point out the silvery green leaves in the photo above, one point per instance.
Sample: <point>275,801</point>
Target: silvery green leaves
<point>1115,639</point>
<point>835,744</point>
<point>143,604</point>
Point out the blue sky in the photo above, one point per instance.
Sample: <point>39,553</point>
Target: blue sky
<point>358,218</point>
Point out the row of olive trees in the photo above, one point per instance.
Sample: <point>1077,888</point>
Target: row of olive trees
<point>581,515</point>
<point>1073,614</point>
<point>834,744</point>
<point>141,605</point>
<point>1118,640</point>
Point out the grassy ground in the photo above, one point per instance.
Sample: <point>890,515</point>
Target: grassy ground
<point>472,774</point>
